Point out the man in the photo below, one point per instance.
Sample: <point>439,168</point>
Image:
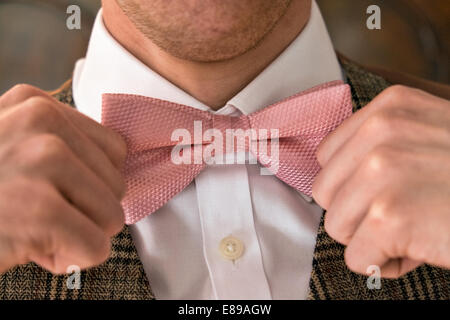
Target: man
<point>232,233</point>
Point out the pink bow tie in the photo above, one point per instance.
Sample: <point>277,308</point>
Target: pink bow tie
<point>148,125</point>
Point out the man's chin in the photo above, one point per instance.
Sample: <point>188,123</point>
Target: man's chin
<point>212,52</point>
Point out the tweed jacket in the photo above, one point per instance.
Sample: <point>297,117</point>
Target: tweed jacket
<point>122,275</point>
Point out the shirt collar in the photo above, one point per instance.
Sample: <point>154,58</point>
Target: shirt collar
<point>109,68</point>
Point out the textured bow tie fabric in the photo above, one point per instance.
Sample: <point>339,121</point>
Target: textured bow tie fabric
<point>147,125</point>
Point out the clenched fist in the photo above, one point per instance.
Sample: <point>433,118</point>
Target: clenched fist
<point>60,183</point>
<point>386,183</point>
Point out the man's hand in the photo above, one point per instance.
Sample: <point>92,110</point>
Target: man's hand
<point>60,183</point>
<point>386,183</point>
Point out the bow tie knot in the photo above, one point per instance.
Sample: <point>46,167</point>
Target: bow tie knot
<point>223,123</point>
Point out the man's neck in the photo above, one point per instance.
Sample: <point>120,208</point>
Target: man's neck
<point>212,83</point>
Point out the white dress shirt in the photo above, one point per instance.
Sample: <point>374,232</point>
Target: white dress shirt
<point>179,245</point>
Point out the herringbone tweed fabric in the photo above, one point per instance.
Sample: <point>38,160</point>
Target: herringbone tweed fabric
<point>123,277</point>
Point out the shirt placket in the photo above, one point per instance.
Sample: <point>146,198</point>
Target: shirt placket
<point>230,243</point>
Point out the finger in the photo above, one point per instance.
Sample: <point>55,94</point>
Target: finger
<point>381,238</point>
<point>397,228</point>
<point>348,207</point>
<point>94,158</point>
<point>391,98</point>
<point>364,252</point>
<point>54,161</point>
<point>46,119</point>
<point>17,94</point>
<point>70,238</point>
<point>382,172</point>
<point>398,267</point>
<point>393,127</point>
<point>109,141</point>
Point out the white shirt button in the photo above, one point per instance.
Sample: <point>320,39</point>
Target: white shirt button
<point>231,248</point>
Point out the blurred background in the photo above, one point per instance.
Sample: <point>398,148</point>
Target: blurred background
<point>37,48</point>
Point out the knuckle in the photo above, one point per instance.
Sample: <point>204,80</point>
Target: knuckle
<point>21,88</point>
<point>37,111</point>
<point>412,99</point>
<point>336,230</point>
<point>38,106</point>
<point>384,215</point>
<point>388,220</point>
<point>388,125</point>
<point>381,123</point>
<point>380,160</point>
<point>46,148</point>
<point>397,93</point>
<point>19,93</point>
<point>379,212</point>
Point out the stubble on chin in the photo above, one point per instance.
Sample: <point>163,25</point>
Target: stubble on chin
<point>205,31</point>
